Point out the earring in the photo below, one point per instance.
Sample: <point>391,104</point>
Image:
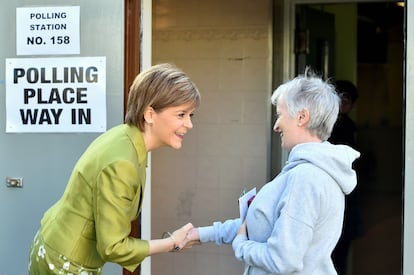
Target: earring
<point>300,124</point>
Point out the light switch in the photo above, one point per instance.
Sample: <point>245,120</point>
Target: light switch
<point>14,182</point>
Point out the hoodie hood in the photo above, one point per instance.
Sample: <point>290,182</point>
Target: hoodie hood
<point>335,160</point>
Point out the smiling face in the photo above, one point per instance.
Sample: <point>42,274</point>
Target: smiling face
<point>168,126</point>
<point>290,128</point>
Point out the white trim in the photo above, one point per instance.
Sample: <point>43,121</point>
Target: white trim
<point>408,224</point>
<point>146,62</point>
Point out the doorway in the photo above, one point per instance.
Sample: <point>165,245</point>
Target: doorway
<point>364,43</point>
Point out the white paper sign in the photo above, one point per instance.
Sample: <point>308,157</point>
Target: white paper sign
<point>56,94</point>
<point>47,30</point>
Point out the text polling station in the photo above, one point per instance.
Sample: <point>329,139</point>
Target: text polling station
<point>56,94</point>
<point>47,30</point>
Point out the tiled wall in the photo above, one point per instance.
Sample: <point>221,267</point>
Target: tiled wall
<point>225,47</point>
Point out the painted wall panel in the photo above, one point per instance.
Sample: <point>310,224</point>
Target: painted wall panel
<point>45,160</point>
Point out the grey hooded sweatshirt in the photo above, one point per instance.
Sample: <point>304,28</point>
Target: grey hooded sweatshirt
<point>295,221</point>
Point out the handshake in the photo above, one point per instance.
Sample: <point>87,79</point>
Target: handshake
<point>184,237</point>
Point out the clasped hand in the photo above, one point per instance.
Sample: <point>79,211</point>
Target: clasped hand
<point>186,237</point>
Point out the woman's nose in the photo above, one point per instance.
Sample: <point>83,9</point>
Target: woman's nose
<point>276,127</point>
<point>188,123</point>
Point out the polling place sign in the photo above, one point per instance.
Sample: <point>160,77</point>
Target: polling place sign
<point>56,95</point>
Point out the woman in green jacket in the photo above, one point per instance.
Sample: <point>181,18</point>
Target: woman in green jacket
<point>91,223</point>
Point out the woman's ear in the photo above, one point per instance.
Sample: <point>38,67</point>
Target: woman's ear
<point>148,115</point>
<point>303,117</point>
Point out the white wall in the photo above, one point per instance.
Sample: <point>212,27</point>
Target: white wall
<point>225,47</point>
<point>45,160</point>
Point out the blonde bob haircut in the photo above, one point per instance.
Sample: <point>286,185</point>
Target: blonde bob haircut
<point>161,86</point>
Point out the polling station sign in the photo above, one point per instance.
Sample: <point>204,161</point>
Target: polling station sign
<point>48,30</point>
<point>56,95</point>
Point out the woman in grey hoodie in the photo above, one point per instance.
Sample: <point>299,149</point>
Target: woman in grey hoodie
<point>295,220</point>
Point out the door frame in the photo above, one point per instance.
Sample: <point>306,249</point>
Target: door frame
<point>408,128</point>
<point>132,64</point>
<point>137,57</point>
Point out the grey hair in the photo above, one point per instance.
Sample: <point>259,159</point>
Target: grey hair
<point>310,92</point>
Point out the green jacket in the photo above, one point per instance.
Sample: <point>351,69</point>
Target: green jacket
<point>91,223</point>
